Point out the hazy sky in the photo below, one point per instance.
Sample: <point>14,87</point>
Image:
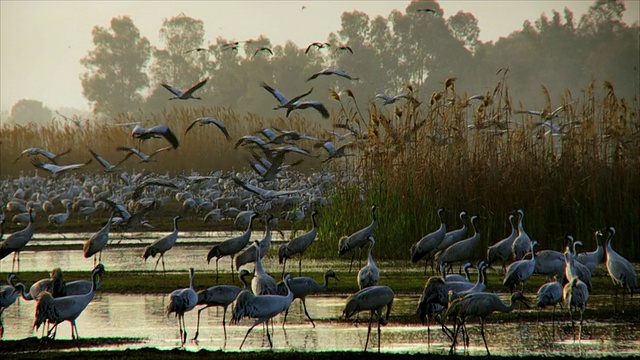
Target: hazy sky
<point>41,42</point>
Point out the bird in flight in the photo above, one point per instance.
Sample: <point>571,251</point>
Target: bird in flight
<point>263,49</point>
<point>180,95</point>
<point>332,71</point>
<point>144,157</point>
<point>426,10</point>
<point>56,170</point>
<point>344,48</point>
<point>155,132</point>
<point>198,49</point>
<point>316,44</point>
<point>284,102</point>
<point>38,151</point>
<point>209,120</point>
<point>388,99</point>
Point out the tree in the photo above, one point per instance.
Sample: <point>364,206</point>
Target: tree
<point>116,68</point>
<point>465,28</point>
<point>26,111</point>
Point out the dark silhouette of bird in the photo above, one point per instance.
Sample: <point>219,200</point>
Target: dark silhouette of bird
<point>284,102</point>
<point>209,120</point>
<point>332,71</point>
<point>373,299</point>
<point>143,157</point>
<point>185,95</point>
<point>263,49</point>
<point>316,44</point>
<point>344,48</point>
<point>155,132</point>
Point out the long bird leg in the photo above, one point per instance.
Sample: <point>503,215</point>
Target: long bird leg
<point>156,267</point>
<point>305,312</point>
<point>74,335</point>
<point>224,326</point>
<point>379,320</point>
<point>482,321</point>
<point>354,255</point>
<point>300,265</point>
<point>251,328</point>
<point>198,322</point>
<point>217,276</point>
<point>456,328</point>
<point>284,266</point>
<point>233,277</point>
<point>425,265</point>
<point>269,336</point>
<point>164,271</point>
<point>368,331</point>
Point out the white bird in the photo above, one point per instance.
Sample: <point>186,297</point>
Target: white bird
<point>108,167</point>
<point>38,151</point>
<point>220,295</point>
<point>57,170</point>
<point>155,132</point>
<point>184,95</point>
<point>332,71</point>
<point>66,308</point>
<point>372,299</point>
<point>580,271</point>
<point>209,120</point>
<point>7,297</point>
<point>426,247</point>
<point>298,245</point>
<point>520,271</point>
<point>303,286</point>
<point>262,283</point>
<point>501,250</point>
<point>620,269</point>
<point>593,258</point>
<point>522,243</point>
<point>15,242</point>
<point>358,239</point>
<point>162,245</point>
<point>231,247</point>
<point>97,242</point>
<point>182,301</point>
<point>261,307</point>
<point>143,157</point>
<point>369,275</point>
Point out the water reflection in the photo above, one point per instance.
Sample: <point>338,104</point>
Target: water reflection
<point>144,316</point>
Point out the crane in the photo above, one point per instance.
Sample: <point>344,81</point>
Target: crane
<point>262,283</point>
<point>520,271</point>
<point>373,299</point>
<point>332,71</point>
<point>185,95</point>
<point>358,239</point>
<point>303,286</point>
<point>501,250</point>
<point>261,307</point>
<point>250,254</point>
<point>620,269</point>
<point>57,170</point>
<point>549,294</point>
<point>97,242</point>
<point>220,295</point>
<point>426,247</point>
<point>231,247</point>
<point>434,300</point>
<point>155,132</point>
<point>593,258</point>
<point>15,242</point>
<point>33,151</point>
<point>209,120</point>
<point>369,275</point>
<point>454,236</point>
<point>7,297</point>
<point>462,250</point>
<point>298,245</point>
<point>181,301</point>
<point>522,243</point>
<point>162,245</point>
<point>574,293</point>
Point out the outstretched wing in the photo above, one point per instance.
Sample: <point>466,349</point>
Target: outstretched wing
<point>175,91</point>
<point>165,132</point>
<point>192,124</point>
<point>276,94</point>
<point>195,87</point>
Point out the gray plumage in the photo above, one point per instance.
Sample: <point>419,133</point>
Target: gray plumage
<point>520,271</point>
<point>434,300</point>
<point>298,245</point>
<point>479,286</point>
<point>303,286</point>
<point>262,283</point>
<point>249,254</point>
<point>550,263</point>
<point>373,299</point>
<point>592,259</point>
<point>581,271</point>
<point>462,250</point>
<point>15,242</point>
<point>369,275</point>
<point>97,242</point>
<point>7,297</point>
<point>456,235</point>
<point>181,301</point>
<point>162,245</point>
<point>620,269</point>
<point>358,239</point>
<point>455,277</point>
<point>549,294</point>
<point>426,247</point>
<point>220,295</point>
<point>501,250</point>
<point>231,246</point>
<point>522,243</point>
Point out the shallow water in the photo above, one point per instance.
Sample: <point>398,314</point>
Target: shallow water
<point>143,316</point>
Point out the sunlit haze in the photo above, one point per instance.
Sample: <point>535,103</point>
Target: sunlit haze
<point>42,42</point>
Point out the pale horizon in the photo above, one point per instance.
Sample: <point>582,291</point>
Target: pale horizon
<point>42,42</point>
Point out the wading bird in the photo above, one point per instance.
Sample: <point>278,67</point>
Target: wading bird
<point>155,132</point>
<point>301,105</point>
<point>263,49</point>
<point>549,294</point>
<point>303,286</point>
<point>501,250</point>
<point>250,254</point>
<point>181,301</point>
<point>461,251</point>
<point>97,242</point>
<point>369,275</point>
<point>262,283</point>
<point>162,245</point>
<point>358,239</point>
<point>220,295</point>
<point>620,269</point>
<point>15,242</point>
<point>372,299</point>
<point>180,95</point>
<point>426,247</point>
<point>209,120</point>
<point>298,245</point>
<point>593,258</point>
<point>284,102</point>
<point>520,271</point>
<point>333,152</point>
<point>231,246</point>
<point>7,297</point>
<point>522,243</point>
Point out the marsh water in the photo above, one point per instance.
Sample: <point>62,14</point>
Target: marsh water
<point>143,316</point>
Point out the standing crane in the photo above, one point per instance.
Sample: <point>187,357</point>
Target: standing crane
<point>162,245</point>
<point>369,275</point>
<point>453,236</point>
<point>220,295</point>
<point>426,247</point>
<point>261,307</point>
<point>593,258</point>
<point>434,300</point>
<point>373,299</point>
<point>97,242</point>
<point>358,239</point>
<point>501,250</point>
<point>520,271</point>
<point>7,297</point>
<point>575,293</point>
<point>549,294</point>
<point>15,242</point>
<point>620,269</point>
<point>250,254</point>
<point>298,245</point>
<point>231,246</point>
<point>262,283</point>
<point>181,301</point>
<point>522,243</point>
<point>303,286</point>
<point>462,250</point>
